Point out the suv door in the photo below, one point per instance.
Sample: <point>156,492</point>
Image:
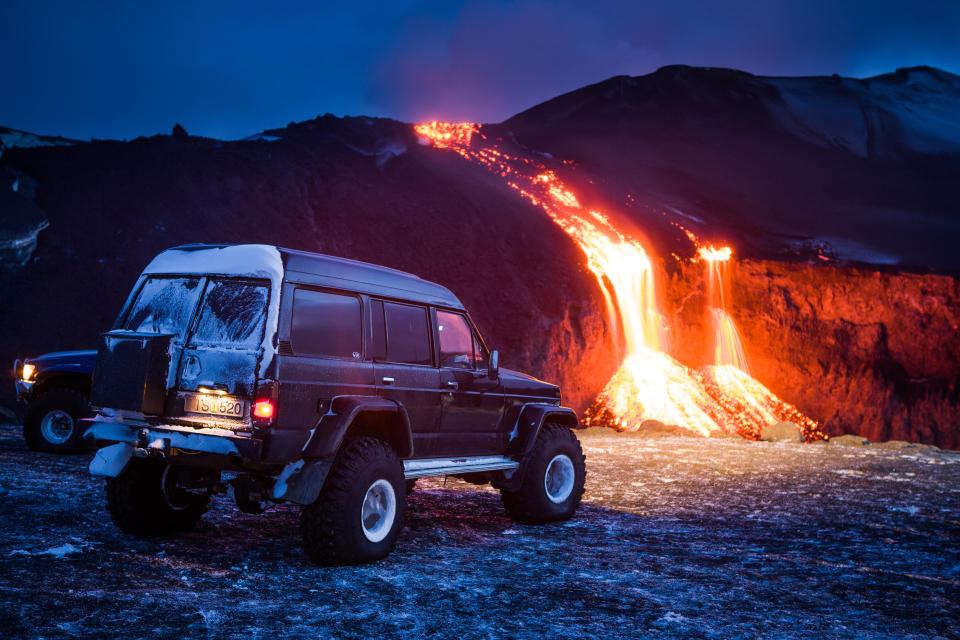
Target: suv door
<point>405,370</point>
<point>223,350</point>
<point>472,402</point>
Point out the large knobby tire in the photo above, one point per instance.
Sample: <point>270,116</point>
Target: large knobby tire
<point>52,422</point>
<point>144,501</point>
<point>554,473</point>
<point>359,512</point>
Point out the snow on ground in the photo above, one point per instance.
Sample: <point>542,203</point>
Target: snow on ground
<point>677,537</point>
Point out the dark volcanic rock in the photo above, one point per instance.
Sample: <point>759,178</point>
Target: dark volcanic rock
<point>323,186</point>
<point>21,220</point>
<point>782,432</point>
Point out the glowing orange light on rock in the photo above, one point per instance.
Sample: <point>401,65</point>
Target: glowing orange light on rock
<point>715,254</point>
<point>650,384</point>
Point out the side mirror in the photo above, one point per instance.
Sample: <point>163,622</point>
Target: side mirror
<point>493,369</point>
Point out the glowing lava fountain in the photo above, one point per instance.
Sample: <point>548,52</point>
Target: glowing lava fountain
<point>728,348</point>
<point>650,384</point>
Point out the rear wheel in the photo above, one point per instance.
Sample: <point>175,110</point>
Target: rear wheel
<point>360,510</point>
<point>52,422</point>
<point>148,498</point>
<point>554,473</point>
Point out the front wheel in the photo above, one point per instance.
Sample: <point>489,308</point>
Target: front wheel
<point>554,473</point>
<point>53,421</point>
<point>360,509</point>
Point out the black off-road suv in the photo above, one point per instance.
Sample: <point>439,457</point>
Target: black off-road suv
<point>325,382</point>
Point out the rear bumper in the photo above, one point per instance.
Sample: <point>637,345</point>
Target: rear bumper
<point>172,440</point>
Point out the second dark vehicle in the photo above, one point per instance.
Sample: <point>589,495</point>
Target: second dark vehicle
<point>315,380</point>
<point>54,390</point>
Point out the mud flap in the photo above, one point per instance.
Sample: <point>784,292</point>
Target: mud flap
<point>509,480</point>
<point>109,462</point>
<point>301,481</point>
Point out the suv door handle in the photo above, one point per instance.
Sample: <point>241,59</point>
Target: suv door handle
<point>453,384</point>
<point>387,380</point>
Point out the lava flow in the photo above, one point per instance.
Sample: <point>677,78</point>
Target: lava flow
<point>728,348</point>
<point>650,384</point>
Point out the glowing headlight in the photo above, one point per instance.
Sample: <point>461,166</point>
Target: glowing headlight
<point>27,373</point>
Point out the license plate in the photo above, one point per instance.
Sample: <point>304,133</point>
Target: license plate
<point>216,405</point>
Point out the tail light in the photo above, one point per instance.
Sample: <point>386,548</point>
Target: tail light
<point>264,410</point>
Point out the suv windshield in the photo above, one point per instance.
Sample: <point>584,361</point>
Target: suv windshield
<point>233,314</point>
<point>163,305</point>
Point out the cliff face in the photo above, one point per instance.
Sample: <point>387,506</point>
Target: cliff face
<point>863,351</point>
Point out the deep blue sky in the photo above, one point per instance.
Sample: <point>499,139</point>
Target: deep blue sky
<point>228,69</point>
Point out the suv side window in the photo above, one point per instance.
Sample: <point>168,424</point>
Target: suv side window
<point>408,334</point>
<point>480,353</point>
<point>326,324</point>
<point>456,341</point>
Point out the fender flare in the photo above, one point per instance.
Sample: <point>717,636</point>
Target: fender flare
<point>302,480</point>
<point>62,376</point>
<point>328,435</point>
<point>529,422</point>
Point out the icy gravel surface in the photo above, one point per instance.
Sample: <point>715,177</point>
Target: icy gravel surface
<point>677,537</point>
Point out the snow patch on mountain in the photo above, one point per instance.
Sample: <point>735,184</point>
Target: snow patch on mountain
<point>261,137</point>
<point>853,251</point>
<point>910,110</point>
<point>384,152</point>
<point>11,138</point>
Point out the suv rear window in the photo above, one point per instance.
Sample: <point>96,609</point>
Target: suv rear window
<point>408,334</point>
<point>326,324</point>
<point>233,314</point>
<point>163,305</point>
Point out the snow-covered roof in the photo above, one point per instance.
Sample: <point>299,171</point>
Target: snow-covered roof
<point>274,263</point>
<point>253,260</point>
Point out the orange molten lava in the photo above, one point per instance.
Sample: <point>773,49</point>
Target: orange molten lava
<point>650,384</point>
<point>728,348</point>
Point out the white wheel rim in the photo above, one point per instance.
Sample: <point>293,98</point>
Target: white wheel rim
<point>56,426</point>
<point>559,478</point>
<point>167,497</point>
<point>379,510</point>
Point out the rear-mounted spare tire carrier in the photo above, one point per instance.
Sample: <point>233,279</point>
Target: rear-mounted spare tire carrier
<point>131,371</point>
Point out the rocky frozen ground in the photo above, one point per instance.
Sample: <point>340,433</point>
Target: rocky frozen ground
<point>677,537</point>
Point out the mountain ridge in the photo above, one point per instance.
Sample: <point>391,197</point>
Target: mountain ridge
<point>686,151</point>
